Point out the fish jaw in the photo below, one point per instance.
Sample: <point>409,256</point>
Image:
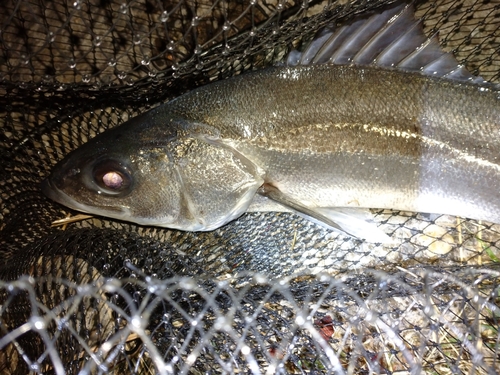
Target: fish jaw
<point>52,192</point>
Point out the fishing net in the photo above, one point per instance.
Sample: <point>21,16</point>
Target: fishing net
<point>267,293</point>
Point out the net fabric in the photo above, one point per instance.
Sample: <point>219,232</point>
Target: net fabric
<point>411,321</point>
<point>269,293</point>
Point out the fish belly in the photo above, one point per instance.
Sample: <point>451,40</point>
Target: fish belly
<point>436,181</point>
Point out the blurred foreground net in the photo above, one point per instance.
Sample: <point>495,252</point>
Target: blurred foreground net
<point>268,293</point>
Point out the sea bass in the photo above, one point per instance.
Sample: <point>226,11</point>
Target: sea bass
<point>370,115</point>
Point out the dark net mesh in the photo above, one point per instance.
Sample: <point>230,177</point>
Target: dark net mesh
<point>268,293</point>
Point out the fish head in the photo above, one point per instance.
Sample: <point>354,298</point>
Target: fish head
<point>157,170</point>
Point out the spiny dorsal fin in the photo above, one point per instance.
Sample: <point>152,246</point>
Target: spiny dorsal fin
<point>392,38</point>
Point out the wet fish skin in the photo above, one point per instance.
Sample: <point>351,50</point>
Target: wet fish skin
<point>372,137</point>
<point>325,135</point>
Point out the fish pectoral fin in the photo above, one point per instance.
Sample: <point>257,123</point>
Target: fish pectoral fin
<point>357,223</point>
<point>346,220</point>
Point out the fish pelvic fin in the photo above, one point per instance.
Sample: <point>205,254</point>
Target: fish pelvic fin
<point>348,221</point>
<point>392,38</point>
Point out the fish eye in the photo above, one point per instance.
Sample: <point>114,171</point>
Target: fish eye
<point>112,177</point>
<point>113,180</point>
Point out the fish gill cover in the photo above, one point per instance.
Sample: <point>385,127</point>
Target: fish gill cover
<point>267,293</point>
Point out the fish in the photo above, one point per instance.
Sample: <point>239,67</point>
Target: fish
<point>371,114</point>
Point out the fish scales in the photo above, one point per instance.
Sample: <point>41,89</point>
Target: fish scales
<point>367,137</point>
<point>274,100</point>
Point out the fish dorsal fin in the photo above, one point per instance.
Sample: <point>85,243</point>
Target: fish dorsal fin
<point>392,38</point>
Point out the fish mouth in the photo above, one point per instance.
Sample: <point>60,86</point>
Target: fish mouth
<point>52,192</point>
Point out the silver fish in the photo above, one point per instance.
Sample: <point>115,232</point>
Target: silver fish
<point>370,115</point>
